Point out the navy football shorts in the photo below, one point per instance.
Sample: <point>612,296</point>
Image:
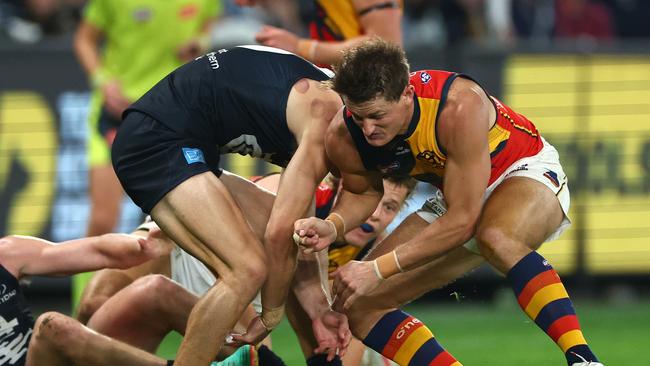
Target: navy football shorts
<point>151,159</point>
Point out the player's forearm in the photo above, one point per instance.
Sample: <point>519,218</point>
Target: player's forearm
<point>439,237</point>
<point>87,51</point>
<point>281,267</point>
<point>308,285</point>
<point>113,251</point>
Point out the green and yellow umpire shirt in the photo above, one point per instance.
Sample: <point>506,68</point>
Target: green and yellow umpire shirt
<point>142,37</point>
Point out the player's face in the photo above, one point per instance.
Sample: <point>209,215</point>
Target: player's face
<point>382,120</point>
<point>394,196</point>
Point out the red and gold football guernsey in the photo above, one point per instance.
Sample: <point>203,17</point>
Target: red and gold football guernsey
<point>335,20</point>
<point>418,152</point>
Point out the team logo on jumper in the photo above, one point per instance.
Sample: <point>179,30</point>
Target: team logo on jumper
<point>425,77</point>
<point>552,176</point>
<point>431,158</point>
<point>193,155</point>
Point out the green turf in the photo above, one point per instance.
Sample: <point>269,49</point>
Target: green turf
<point>503,336</point>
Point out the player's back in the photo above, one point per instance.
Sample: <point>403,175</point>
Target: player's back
<point>235,98</point>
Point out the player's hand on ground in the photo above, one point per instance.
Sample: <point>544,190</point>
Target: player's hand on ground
<point>114,99</point>
<point>277,37</point>
<point>351,281</point>
<point>313,234</point>
<point>332,333</point>
<point>255,334</point>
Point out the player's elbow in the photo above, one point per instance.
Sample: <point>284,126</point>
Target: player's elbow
<point>278,243</point>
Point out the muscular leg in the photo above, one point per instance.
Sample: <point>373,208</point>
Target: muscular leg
<point>108,282</point>
<point>374,318</point>
<point>144,312</point>
<point>255,202</point>
<point>517,218</point>
<point>61,340</point>
<point>105,200</point>
<point>201,216</point>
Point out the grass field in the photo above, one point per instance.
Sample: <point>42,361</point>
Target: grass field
<point>489,335</point>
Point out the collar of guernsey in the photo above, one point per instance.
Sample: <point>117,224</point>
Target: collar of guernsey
<point>416,152</point>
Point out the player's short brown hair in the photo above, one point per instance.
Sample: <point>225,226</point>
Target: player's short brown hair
<point>374,68</point>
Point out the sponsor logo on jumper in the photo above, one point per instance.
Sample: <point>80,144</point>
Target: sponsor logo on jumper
<point>413,323</point>
<point>193,155</point>
<point>212,59</point>
<point>6,296</point>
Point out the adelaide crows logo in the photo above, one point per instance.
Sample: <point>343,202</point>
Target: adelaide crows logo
<point>431,158</point>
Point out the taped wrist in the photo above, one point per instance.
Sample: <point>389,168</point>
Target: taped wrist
<point>306,48</point>
<point>271,317</point>
<point>339,225</point>
<point>387,265</point>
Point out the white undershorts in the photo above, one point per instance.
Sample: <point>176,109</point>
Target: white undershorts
<point>190,272</point>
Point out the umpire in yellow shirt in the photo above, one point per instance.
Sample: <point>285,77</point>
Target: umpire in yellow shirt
<point>125,47</point>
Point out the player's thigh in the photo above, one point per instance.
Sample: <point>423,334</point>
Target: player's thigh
<point>254,201</point>
<point>202,217</point>
<point>145,311</point>
<point>82,346</point>
<point>519,216</point>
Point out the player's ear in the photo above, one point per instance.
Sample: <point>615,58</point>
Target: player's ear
<point>408,92</point>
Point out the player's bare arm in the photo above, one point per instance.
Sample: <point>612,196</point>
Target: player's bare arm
<point>312,107</point>
<point>25,255</point>
<point>465,121</point>
<point>380,18</point>
<point>361,192</point>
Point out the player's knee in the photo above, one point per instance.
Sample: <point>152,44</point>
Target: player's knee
<point>255,272</point>
<point>57,331</point>
<point>493,242</point>
<point>157,284</point>
<point>88,306</point>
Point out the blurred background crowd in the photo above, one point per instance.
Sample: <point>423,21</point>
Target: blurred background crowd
<point>439,22</point>
<point>579,69</point>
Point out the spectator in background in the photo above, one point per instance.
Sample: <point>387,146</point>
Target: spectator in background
<point>144,40</point>
<point>27,21</point>
<point>337,25</point>
<point>533,19</point>
<point>583,18</point>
